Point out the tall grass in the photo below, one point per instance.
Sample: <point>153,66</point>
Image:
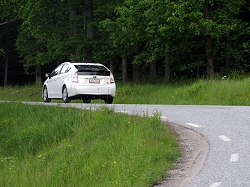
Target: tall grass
<point>21,93</point>
<point>200,92</point>
<point>54,146</point>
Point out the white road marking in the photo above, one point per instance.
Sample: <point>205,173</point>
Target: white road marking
<point>234,157</point>
<point>215,184</point>
<point>193,125</point>
<point>224,138</point>
<point>164,117</point>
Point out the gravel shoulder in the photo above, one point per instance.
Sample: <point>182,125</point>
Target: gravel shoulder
<point>195,149</point>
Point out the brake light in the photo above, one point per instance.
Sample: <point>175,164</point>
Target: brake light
<point>112,80</point>
<point>75,77</point>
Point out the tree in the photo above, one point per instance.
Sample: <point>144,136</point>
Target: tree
<point>120,34</point>
<point>8,29</point>
<point>104,16</point>
<point>173,37</point>
<point>219,20</point>
<point>88,15</point>
<point>54,30</point>
<point>8,36</point>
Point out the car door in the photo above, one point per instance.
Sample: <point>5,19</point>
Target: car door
<point>60,80</point>
<point>53,81</point>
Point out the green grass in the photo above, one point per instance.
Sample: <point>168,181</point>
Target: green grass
<point>21,93</point>
<point>201,92</point>
<point>58,146</point>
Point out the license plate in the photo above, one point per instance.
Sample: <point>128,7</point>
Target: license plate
<point>95,81</point>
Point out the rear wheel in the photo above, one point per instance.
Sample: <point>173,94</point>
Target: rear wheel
<point>109,100</point>
<point>46,98</point>
<point>65,97</point>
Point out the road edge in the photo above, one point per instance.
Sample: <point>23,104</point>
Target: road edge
<point>195,149</point>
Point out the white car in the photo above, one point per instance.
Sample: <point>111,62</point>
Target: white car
<point>86,81</point>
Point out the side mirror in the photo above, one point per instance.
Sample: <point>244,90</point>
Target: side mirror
<point>47,75</point>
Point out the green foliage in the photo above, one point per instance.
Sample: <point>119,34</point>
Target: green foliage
<point>51,30</point>
<point>8,27</point>
<point>58,146</point>
<point>141,31</point>
<point>9,9</point>
<point>1,52</point>
<point>103,48</point>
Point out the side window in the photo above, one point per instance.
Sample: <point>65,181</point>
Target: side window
<point>65,69</point>
<point>56,71</point>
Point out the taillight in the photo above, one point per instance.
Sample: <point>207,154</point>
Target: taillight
<point>75,77</point>
<point>112,80</point>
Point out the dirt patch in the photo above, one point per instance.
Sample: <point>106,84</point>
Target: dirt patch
<point>195,149</point>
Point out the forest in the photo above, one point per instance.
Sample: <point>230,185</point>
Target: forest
<point>139,40</point>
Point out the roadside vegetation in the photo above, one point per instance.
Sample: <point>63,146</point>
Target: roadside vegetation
<point>223,91</point>
<point>58,146</point>
<point>201,92</point>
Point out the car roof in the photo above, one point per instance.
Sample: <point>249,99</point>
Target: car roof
<point>83,63</point>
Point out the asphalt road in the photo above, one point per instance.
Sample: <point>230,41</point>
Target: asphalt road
<point>226,128</point>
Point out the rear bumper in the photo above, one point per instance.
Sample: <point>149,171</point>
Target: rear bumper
<point>76,90</point>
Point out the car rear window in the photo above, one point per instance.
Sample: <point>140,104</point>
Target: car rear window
<point>92,70</point>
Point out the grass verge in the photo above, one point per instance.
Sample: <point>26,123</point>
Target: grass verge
<point>201,92</point>
<point>55,146</point>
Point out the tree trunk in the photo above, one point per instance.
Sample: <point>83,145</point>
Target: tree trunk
<point>167,68</point>
<point>136,67</point>
<point>210,60</point>
<point>72,33</point>
<point>57,61</point>
<point>198,72</point>
<point>89,31</point>
<point>228,55</point>
<point>136,72</point>
<point>111,65</point>
<point>152,71</point>
<point>38,75</point>
<point>124,69</point>
<point>209,54</point>
<point>6,70</point>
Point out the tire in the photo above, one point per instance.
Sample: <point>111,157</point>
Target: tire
<point>109,100</point>
<point>46,98</point>
<point>65,97</point>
